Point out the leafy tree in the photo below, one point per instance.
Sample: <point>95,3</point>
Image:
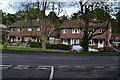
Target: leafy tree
<point>8,19</point>
<point>95,13</point>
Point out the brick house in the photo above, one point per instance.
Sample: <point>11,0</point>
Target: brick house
<point>115,39</point>
<point>70,33</point>
<point>4,33</point>
<point>26,30</point>
<point>55,38</point>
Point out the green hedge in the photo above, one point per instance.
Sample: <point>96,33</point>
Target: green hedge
<point>58,46</point>
<point>34,44</point>
<point>50,46</point>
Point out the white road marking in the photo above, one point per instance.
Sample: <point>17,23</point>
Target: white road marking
<point>80,66</point>
<point>63,66</point>
<point>5,66</point>
<point>51,73</point>
<point>114,67</point>
<point>42,68</point>
<point>22,67</point>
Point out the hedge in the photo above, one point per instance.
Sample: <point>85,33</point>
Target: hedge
<point>34,44</point>
<point>57,46</point>
<point>50,46</point>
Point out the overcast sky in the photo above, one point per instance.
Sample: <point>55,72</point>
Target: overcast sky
<point>4,6</point>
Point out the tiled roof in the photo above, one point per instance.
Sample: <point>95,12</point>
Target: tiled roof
<point>27,23</point>
<point>56,34</point>
<point>115,36</point>
<point>80,23</point>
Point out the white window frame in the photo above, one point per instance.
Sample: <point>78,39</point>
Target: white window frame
<point>101,30</point>
<point>29,29</point>
<point>13,30</point>
<point>20,30</point>
<point>65,31</point>
<point>92,42</point>
<point>116,41</point>
<point>38,28</point>
<point>65,41</point>
<point>90,31</point>
<point>75,41</point>
<point>74,30</point>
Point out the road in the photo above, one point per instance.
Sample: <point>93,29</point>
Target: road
<point>64,66</point>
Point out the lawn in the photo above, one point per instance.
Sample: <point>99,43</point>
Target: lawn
<point>30,49</point>
<point>21,49</point>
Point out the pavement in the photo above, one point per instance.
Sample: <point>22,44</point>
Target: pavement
<point>59,67</point>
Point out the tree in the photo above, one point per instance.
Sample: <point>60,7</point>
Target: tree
<point>8,19</point>
<point>95,13</point>
<point>52,16</point>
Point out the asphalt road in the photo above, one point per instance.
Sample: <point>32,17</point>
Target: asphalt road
<point>59,66</point>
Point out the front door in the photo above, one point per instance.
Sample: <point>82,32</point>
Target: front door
<point>100,43</point>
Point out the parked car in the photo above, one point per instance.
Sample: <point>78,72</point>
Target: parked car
<point>109,49</point>
<point>78,48</point>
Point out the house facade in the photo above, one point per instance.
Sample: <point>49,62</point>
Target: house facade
<point>115,39</point>
<point>26,30</point>
<point>71,34</point>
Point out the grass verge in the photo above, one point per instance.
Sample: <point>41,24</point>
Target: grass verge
<point>50,51</point>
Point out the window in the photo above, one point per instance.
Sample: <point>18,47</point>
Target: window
<point>101,30</point>
<point>29,29</point>
<point>13,29</point>
<point>65,31</point>
<point>75,41</point>
<point>65,41</point>
<point>117,41</point>
<point>19,29</point>
<point>75,31</point>
<point>38,28</point>
<point>91,42</point>
<point>90,31</point>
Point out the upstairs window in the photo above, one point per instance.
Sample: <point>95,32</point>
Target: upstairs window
<point>20,29</point>
<point>65,31</point>
<point>101,30</point>
<point>38,28</point>
<point>13,29</point>
<point>29,29</point>
<point>90,31</point>
<point>75,31</point>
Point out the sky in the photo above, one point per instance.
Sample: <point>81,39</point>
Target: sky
<point>5,7</point>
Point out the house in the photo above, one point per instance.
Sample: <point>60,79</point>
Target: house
<point>26,30</point>
<point>4,33</point>
<point>71,33</point>
<point>115,39</point>
<point>55,38</point>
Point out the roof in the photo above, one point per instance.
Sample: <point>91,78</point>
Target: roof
<point>80,23</point>
<point>27,23</point>
<point>115,36</point>
<point>56,34</point>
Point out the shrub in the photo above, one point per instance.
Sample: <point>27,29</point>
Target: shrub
<point>34,44</point>
<point>49,46</point>
<point>57,46</point>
